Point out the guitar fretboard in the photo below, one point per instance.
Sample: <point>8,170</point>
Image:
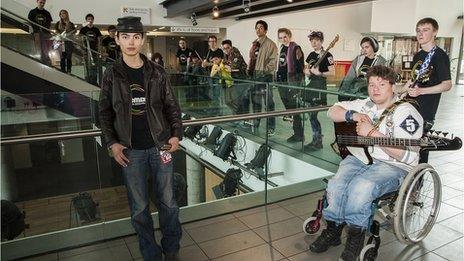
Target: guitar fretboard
<point>381,141</point>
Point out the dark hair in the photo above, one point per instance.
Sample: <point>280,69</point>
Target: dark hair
<point>285,30</point>
<point>263,23</point>
<point>428,20</point>
<point>372,41</point>
<point>156,55</point>
<point>383,72</point>
<point>316,34</point>
<point>89,15</point>
<point>229,42</point>
<point>111,27</point>
<point>216,55</point>
<point>212,37</point>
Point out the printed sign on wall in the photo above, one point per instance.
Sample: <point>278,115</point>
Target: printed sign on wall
<point>194,29</point>
<point>142,12</point>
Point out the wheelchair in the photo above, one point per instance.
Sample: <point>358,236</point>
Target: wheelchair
<point>411,211</point>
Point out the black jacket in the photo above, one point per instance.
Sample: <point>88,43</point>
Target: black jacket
<point>163,111</point>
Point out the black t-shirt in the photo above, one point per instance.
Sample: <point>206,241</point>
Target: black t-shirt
<point>141,137</point>
<point>183,55</point>
<point>41,17</point>
<point>92,35</point>
<point>212,53</point>
<point>365,66</point>
<point>440,71</point>
<point>324,65</point>
<point>111,47</point>
<point>282,66</point>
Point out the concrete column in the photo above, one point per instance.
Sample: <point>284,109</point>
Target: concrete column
<point>195,181</point>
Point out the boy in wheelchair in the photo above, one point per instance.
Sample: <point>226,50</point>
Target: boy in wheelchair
<point>357,184</point>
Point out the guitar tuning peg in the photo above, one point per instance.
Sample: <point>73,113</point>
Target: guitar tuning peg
<point>438,133</point>
<point>445,134</point>
<point>431,132</point>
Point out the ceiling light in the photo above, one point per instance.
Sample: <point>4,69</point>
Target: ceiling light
<point>215,12</point>
<point>246,5</point>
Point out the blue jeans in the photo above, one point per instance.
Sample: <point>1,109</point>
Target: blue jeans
<point>142,164</point>
<point>351,191</point>
<point>315,125</point>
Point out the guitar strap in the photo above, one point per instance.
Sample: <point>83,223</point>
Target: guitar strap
<point>391,109</point>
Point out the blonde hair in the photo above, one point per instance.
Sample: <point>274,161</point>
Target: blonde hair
<point>285,30</point>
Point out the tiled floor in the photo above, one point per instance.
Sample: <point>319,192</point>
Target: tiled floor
<point>275,232</point>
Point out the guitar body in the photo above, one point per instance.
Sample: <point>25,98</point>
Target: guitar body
<point>359,151</point>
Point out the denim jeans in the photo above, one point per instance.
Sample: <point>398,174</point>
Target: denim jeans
<point>315,125</point>
<point>352,190</point>
<point>143,163</point>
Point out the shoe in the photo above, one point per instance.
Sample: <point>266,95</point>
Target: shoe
<point>270,132</point>
<point>331,236</point>
<point>354,244</point>
<point>294,139</point>
<point>316,144</point>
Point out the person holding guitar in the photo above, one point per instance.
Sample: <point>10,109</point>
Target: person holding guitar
<point>355,79</point>
<point>356,184</point>
<point>433,59</point>
<point>320,65</point>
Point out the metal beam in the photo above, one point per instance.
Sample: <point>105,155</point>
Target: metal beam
<point>293,8</point>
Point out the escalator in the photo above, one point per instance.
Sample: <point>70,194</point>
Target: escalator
<point>25,75</point>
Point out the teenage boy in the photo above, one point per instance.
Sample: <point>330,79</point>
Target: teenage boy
<point>238,67</point>
<point>91,39</point>
<point>43,18</point>
<point>262,66</point>
<point>355,185</point>
<point>142,138</point>
<point>428,93</point>
<point>112,50</point>
<point>318,80</point>
<point>290,70</point>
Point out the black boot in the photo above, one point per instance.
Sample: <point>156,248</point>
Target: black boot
<point>316,144</point>
<point>331,236</point>
<point>354,244</point>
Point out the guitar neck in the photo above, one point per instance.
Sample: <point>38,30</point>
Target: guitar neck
<point>381,141</point>
<point>323,55</point>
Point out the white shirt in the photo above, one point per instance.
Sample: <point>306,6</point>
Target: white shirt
<point>405,122</point>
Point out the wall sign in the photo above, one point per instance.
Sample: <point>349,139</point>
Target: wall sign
<point>194,29</point>
<point>142,12</point>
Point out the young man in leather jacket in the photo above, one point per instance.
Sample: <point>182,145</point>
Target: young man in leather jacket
<point>141,121</point>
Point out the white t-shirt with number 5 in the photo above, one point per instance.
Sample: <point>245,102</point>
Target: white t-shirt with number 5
<point>405,122</point>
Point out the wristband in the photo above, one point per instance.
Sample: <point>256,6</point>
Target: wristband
<point>349,115</point>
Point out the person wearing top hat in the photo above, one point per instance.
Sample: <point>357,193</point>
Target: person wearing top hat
<point>141,122</point>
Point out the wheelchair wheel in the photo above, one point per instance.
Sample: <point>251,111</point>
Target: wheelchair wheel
<point>311,225</point>
<point>417,204</point>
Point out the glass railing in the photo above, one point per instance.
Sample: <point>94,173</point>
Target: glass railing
<point>67,52</point>
<point>39,113</point>
<point>231,159</point>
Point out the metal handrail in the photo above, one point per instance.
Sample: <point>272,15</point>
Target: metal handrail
<point>186,123</point>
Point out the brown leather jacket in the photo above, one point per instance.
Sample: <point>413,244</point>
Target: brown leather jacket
<point>163,111</point>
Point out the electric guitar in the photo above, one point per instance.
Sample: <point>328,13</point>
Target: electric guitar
<point>324,53</point>
<point>349,143</point>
